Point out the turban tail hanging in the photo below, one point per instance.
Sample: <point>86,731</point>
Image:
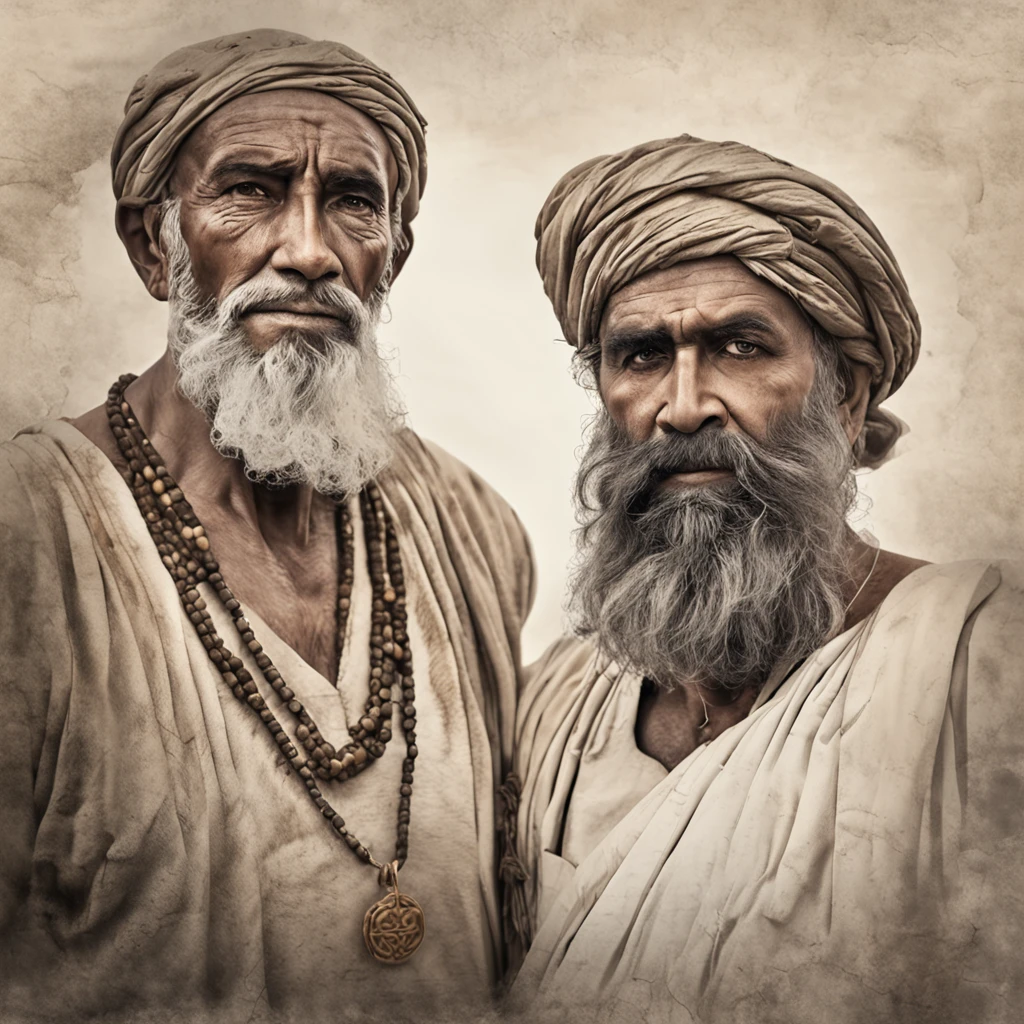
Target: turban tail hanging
<point>613,218</point>
<point>191,83</point>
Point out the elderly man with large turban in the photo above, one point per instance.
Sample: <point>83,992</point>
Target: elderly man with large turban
<point>260,642</point>
<point>779,779</point>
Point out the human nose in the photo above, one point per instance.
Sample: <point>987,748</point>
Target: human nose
<point>688,403</point>
<point>302,247</point>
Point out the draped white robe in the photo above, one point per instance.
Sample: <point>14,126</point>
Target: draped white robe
<point>158,859</point>
<point>851,851</point>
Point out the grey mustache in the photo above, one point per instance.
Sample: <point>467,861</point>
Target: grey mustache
<point>690,453</point>
<point>332,299</point>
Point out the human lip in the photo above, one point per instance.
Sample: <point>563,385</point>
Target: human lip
<point>296,309</point>
<point>696,477</point>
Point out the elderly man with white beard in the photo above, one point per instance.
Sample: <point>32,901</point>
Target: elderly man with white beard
<point>779,777</point>
<point>260,643</point>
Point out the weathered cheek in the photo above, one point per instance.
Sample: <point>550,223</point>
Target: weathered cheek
<point>766,403</point>
<point>365,248</point>
<point>377,247</point>
<point>234,225</point>
<point>630,407</point>
<point>229,250</point>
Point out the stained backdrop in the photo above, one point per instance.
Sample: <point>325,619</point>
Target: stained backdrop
<point>914,108</point>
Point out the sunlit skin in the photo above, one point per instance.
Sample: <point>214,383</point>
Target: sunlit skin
<point>302,191</point>
<point>293,183</point>
<point>708,345</point>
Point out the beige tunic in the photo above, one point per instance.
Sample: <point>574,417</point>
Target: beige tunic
<point>851,851</point>
<point>156,853</point>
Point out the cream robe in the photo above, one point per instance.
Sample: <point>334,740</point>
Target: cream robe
<point>158,859</point>
<point>852,851</point>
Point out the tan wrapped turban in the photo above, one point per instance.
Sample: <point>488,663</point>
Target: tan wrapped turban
<point>193,82</point>
<point>613,218</point>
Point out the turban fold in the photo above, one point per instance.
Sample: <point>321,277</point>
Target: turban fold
<point>190,84</point>
<point>613,218</point>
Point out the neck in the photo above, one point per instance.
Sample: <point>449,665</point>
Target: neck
<point>181,434</point>
<point>860,593</point>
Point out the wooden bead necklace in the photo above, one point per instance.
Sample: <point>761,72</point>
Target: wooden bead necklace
<point>394,926</point>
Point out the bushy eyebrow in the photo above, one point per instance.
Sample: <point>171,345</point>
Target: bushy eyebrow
<point>617,344</point>
<point>743,323</point>
<point>273,168</point>
<point>336,182</point>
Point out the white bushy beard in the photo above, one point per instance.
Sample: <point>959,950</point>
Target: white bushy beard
<point>317,408</point>
<point>718,584</point>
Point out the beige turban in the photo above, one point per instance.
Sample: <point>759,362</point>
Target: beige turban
<point>616,217</point>
<point>193,82</point>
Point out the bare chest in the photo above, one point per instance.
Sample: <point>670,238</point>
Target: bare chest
<point>670,725</point>
<point>292,587</point>
<point>294,592</point>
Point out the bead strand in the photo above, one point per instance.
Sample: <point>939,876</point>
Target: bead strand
<point>353,757</point>
<point>184,549</point>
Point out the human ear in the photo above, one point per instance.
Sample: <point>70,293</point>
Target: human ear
<point>139,230</point>
<point>854,407</point>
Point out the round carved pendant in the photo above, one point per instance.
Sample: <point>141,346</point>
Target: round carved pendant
<point>393,928</point>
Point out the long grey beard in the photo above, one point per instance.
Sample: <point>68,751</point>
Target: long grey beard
<point>717,584</point>
<point>317,408</point>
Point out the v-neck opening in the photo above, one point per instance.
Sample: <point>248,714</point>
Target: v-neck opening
<point>261,631</point>
<point>59,427</point>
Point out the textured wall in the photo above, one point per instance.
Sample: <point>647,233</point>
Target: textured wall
<point>914,108</point>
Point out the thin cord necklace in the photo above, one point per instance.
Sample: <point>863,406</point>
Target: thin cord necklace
<point>704,705</point>
<point>394,926</point>
<point>864,583</point>
<point>707,716</point>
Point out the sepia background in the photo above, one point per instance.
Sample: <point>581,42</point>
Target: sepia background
<point>914,108</point>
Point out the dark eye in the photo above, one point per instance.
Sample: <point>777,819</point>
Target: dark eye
<point>248,189</point>
<point>356,202</point>
<point>741,348</point>
<point>643,357</point>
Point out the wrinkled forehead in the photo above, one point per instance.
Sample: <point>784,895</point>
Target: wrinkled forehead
<point>285,127</point>
<point>699,292</point>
